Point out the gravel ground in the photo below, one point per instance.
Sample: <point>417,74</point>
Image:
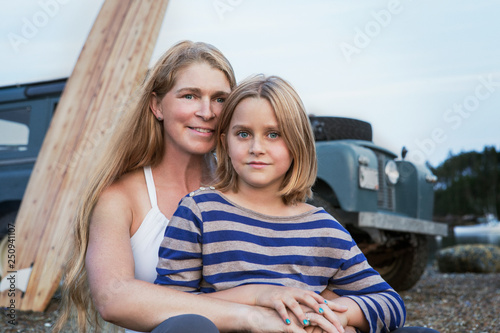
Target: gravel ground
<point>448,303</point>
<point>452,303</point>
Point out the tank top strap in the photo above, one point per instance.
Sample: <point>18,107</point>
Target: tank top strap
<point>151,186</point>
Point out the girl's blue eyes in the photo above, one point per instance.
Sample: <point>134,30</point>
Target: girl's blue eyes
<point>188,96</point>
<point>244,135</point>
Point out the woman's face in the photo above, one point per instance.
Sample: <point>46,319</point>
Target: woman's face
<point>190,110</point>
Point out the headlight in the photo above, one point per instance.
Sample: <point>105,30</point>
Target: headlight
<point>368,178</point>
<point>391,171</point>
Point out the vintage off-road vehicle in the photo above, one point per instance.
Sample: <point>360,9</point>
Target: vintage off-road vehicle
<point>386,204</point>
<point>25,115</point>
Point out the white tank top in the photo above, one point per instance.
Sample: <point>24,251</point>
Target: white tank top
<point>147,239</point>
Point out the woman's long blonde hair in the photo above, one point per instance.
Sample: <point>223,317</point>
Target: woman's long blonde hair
<point>137,142</point>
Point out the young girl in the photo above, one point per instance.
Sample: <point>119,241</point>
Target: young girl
<point>254,227</point>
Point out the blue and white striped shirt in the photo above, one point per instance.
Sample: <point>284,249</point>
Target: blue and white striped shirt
<point>212,244</point>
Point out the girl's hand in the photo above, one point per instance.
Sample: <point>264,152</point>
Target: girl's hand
<point>280,298</point>
<point>335,322</point>
<point>266,320</point>
<point>334,306</point>
<point>353,317</point>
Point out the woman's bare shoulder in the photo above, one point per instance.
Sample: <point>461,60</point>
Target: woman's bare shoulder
<point>127,193</point>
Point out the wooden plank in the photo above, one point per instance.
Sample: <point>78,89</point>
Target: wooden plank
<point>111,64</point>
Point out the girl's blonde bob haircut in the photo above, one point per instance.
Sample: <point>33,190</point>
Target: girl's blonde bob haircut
<point>293,125</point>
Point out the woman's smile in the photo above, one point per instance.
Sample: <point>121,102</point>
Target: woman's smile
<point>202,130</point>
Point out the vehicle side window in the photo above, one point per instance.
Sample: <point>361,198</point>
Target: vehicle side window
<point>14,129</point>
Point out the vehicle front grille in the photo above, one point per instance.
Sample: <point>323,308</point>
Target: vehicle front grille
<point>386,194</point>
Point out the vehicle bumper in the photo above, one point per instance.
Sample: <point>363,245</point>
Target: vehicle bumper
<point>401,223</point>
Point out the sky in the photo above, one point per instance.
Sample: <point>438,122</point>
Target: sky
<point>425,74</point>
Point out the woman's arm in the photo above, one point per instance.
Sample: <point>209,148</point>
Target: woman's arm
<point>128,302</point>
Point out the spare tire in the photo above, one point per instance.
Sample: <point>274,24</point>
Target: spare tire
<point>339,128</point>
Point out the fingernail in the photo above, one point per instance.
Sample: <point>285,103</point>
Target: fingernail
<point>306,322</point>
<point>320,310</point>
<point>326,302</point>
<point>288,321</point>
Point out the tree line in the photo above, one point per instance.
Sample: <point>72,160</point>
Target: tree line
<point>468,183</point>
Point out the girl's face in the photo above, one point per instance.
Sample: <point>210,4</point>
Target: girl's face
<point>191,108</point>
<point>257,150</point>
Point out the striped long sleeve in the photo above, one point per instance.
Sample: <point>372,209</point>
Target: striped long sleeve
<point>212,244</point>
<point>356,279</point>
<point>180,255</point>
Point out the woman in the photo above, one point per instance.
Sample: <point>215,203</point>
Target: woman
<point>161,152</point>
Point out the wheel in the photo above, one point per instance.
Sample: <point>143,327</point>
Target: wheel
<point>405,265</point>
<point>5,220</point>
<point>338,128</point>
<point>401,265</point>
